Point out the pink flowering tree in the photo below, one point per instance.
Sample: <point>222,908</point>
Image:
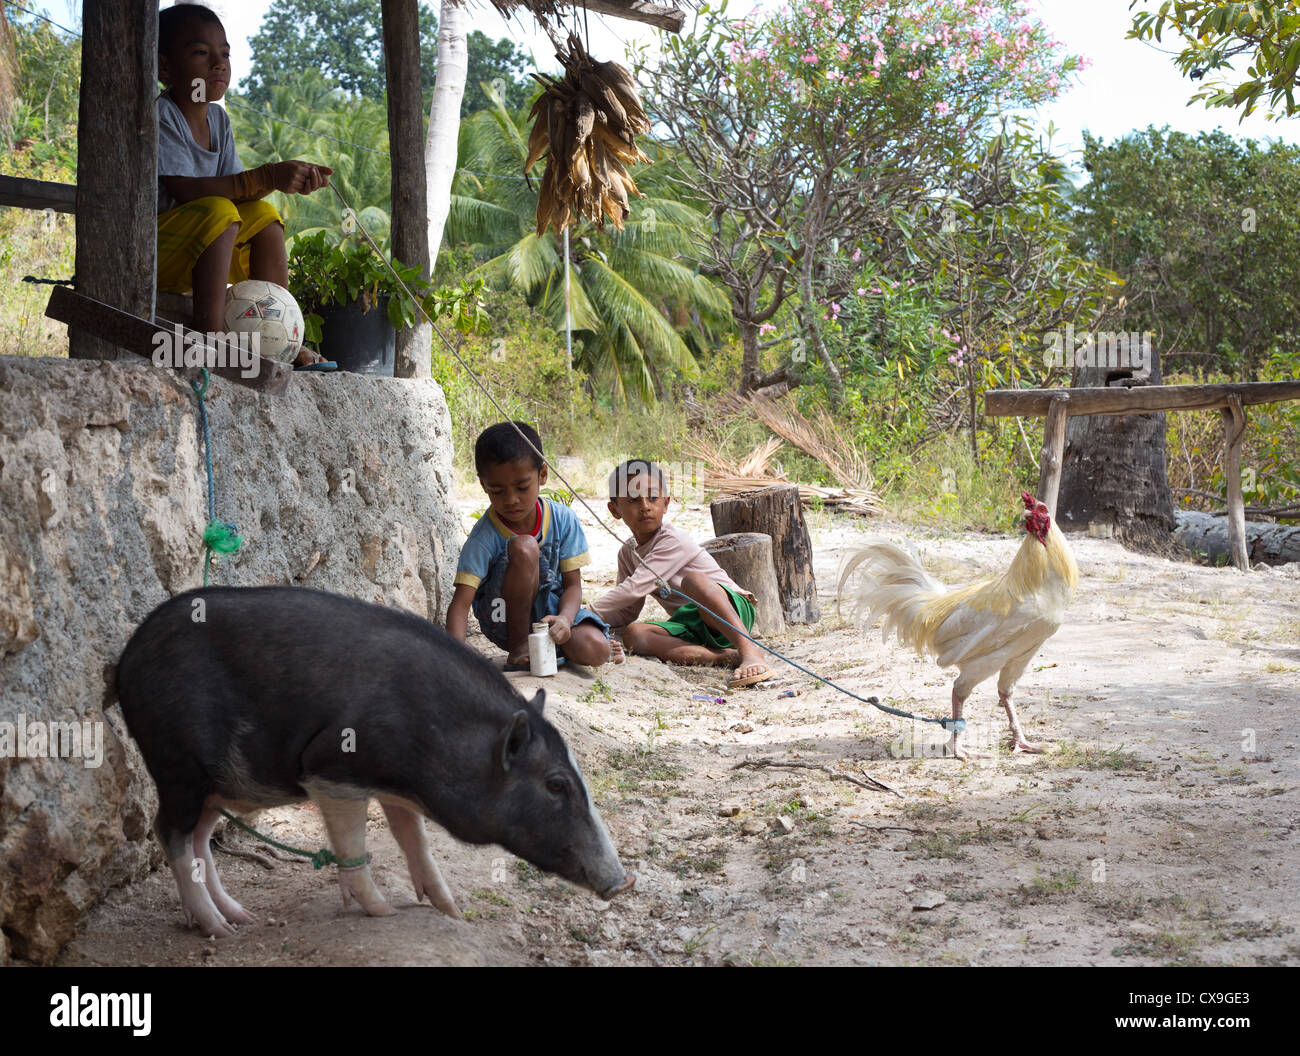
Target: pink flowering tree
<point>830,131</point>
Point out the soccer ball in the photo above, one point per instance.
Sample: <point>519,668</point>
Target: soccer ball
<point>263,308</point>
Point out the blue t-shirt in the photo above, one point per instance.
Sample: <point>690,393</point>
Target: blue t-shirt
<point>560,538</point>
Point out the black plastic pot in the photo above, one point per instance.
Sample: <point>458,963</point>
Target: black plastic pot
<point>362,342</point>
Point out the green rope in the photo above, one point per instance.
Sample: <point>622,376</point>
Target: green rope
<point>319,859</point>
<point>219,537</point>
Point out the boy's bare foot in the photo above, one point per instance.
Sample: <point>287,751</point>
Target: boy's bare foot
<point>308,356</point>
<point>750,668</point>
<point>615,651</point>
<point>517,657</point>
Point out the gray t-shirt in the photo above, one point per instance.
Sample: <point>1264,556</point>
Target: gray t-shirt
<point>179,155</point>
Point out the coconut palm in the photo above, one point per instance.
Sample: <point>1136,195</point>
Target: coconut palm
<point>628,291</point>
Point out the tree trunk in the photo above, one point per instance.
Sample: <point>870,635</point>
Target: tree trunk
<point>776,512</point>
<point>444,119</point>
<point>749,355</point>
<point>1114,471</point>
<point>410,233</point>
<point>747,558</point>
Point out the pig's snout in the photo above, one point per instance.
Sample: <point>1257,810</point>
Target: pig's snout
<point>626,885</point>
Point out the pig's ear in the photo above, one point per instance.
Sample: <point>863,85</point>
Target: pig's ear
<point>513,738</point>
<point>539,701</point>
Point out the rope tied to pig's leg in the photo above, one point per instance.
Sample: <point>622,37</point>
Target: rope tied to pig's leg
<point>220,537</point>
<point>319,859</point>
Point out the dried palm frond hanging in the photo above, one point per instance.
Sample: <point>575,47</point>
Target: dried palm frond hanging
<point>585,128</point>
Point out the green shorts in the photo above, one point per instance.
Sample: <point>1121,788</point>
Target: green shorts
<point>689,625</point>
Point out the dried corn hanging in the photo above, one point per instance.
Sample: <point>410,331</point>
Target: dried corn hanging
<point>584,127</point>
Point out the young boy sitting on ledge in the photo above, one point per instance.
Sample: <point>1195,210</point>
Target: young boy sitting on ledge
<point>212,223</point>
<point>638,496</point>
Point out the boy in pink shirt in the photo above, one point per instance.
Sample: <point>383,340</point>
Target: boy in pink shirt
<point>638,496</point>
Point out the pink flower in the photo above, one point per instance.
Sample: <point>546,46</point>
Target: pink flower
<point>857,255</point>
<point>941,108</point>
<point>810,58</point>
<point>766,327</point>
<point>862,291</point>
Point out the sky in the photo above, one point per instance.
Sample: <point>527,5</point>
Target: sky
<point>1130,85</point>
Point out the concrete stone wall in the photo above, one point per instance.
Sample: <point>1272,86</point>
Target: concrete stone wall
<point>342,484</point>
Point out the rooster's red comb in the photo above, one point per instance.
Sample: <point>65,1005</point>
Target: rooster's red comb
<point>1029,501</point>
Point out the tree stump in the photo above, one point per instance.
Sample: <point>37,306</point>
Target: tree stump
<point>1114,466</point>
<point>747,558</point>
<point>776,512</point>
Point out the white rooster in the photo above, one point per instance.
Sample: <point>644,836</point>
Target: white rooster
<point>993,626</point>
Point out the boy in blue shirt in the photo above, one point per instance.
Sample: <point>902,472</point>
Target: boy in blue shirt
<point>521,563</point>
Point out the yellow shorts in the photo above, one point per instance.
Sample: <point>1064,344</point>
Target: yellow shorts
<point>186,231</point>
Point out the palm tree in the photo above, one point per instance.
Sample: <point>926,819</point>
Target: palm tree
<point>627,288</point>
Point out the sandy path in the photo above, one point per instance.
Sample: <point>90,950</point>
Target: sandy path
<point>1165,830</point>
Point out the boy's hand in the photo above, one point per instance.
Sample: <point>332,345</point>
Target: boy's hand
<point>561,629</point>
<point>299,177</point>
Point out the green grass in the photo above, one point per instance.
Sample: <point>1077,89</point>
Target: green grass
<point>599,690</point>
<point>1051,888</point>
<point>951,844</point>
<point>1171,947</point>
<point>1089,757</point>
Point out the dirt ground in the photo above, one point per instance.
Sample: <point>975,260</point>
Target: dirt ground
<point>1164,829</point>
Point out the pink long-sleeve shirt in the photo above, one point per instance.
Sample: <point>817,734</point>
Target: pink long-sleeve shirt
<point>670,553</point>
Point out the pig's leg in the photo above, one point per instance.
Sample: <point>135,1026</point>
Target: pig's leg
<point>408,831</point>
<point>345,821</point>
<point>202,842</point>
<point>191,874</point>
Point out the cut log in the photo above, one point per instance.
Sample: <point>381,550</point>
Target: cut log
<point>747,558</point>
<point>776,512</point>
<point>1206,534</point>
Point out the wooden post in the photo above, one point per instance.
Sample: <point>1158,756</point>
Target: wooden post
<point>1052,456</point>
<point>776,511</point>
<point>410,213</point>
<point>117,163</point>
<point>1234,429</point>
<point>747,558</point>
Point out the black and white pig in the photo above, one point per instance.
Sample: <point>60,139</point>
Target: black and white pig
<point>262,696</point>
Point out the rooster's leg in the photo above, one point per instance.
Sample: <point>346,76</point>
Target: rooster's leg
<point>957,750</point>
<point>1017,735</point>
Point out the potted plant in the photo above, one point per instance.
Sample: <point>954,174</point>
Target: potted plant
<point>353,307</point>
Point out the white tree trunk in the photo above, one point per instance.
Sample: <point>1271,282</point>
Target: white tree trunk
<point>444,119</point>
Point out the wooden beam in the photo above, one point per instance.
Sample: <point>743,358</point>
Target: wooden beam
<point>20,193</point>
<point>1053,454</point>
<point>117,163</point>
<point>1234,429</point>
<point>410,205</point>
<point>1140,399</point>
<point>665,16</point>
<point>128,332</point>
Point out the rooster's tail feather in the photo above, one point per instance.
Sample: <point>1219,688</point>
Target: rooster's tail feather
<point>893,584</point>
